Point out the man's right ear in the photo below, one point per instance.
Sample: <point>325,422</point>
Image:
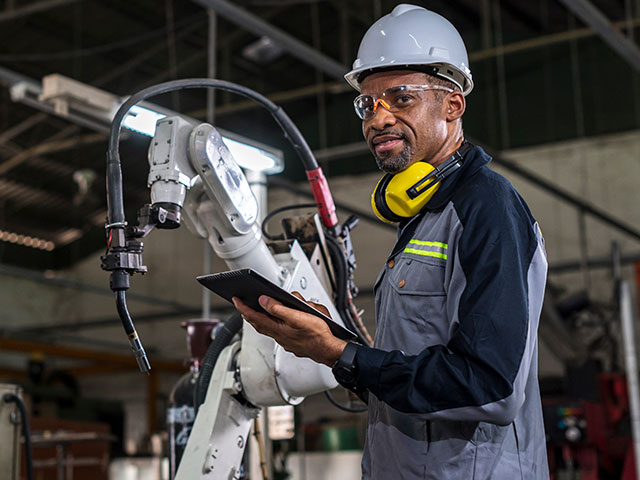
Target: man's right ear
<point>456,105</point>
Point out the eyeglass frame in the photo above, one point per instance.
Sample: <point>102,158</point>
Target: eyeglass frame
<point>379,100</point>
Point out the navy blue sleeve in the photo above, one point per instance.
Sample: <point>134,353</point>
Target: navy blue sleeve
<point>474,376</point>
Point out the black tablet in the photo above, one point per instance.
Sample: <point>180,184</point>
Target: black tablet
<point>248,285</point>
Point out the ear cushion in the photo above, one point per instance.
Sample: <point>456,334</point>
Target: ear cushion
<point>379,202</point>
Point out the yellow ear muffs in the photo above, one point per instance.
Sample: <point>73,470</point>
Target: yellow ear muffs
<point>402,195</point>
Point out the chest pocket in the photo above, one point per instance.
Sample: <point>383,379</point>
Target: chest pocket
<point>414,275</point>
<point>416,304</point>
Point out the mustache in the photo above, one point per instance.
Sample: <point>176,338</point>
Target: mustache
<point>388,132</point>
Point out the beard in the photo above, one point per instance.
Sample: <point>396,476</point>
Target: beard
<point>390,163</point>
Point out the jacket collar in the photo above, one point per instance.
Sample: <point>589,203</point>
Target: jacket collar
<point>474,160</point>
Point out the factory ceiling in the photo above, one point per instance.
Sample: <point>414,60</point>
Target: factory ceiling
<point>541,74</point>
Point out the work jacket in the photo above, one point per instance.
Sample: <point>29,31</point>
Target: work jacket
<point>452,378</point>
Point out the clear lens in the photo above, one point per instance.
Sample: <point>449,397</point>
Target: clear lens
<point>394,98</point>
<point>363,105</point>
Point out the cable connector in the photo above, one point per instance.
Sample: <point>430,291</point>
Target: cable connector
<point>138,351</point>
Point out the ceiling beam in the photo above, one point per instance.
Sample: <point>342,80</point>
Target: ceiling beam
<point>21,127</point>
<point>340,87</point>
<point>248,21</point>
<point>51,147</point>
<point>545,41</point>
<point>281,97</point>
<point>590,15</point>
<point>37,7</point>
<point>23,194</point>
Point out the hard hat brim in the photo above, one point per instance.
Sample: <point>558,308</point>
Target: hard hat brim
<point>355,76</point>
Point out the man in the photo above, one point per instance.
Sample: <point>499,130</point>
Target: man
<point>452,380</point>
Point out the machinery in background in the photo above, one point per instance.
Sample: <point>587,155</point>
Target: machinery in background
<point>66,449</point>
<point>10,432</point>
<point>591,438</point>
<point>194,178</point>
<point>591,422</point>
<point>181,412</point>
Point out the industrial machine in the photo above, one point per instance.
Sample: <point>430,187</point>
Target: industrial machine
<point>9,433</point>
<point>194,179</point>
<point>13,419</point>
<point>592,422</point>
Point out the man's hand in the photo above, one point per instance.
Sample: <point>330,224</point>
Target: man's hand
<point>300,333</point>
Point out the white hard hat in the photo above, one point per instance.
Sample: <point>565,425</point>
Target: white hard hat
<point>416,38</point>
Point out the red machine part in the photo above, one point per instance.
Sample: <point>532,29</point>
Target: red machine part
<point>608,446</point>
<point>322,196</point>
<point>605,420</point>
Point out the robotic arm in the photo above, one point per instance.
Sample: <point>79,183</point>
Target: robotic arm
<point>193,177</point>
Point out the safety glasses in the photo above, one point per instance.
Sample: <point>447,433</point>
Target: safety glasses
<point>393,99</point>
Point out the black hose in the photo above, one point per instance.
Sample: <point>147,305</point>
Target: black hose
<point>115,199</point>
<point>339,263</point>
<point>335,403</point>
<point>340,266</point>
<point>223,337</point>
<point>13,398</point>
<point>273,213</point>
<point>123,312</point>
<point>114,173</point>
<point>132,335</point>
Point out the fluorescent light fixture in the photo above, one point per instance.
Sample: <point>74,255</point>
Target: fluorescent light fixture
<point>143,120</point>
<point>253,158</point>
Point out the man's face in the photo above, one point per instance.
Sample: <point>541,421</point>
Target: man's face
<point>400,139</point>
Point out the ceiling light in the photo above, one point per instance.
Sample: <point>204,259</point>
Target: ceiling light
<point>142,120</point>
<point>262,51</point>
<point>252,157</point>
<point>93,107</point>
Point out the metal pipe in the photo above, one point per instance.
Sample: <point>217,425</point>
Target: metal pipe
<point>250,22</point>
<point>207,260</point>
<point>631,364</point>
<point>503,103</point>
<point>593,17</point>
<point>584,249</point>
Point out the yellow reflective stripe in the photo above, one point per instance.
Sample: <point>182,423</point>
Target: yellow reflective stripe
<point>426,253</point>
<point>429,244</point>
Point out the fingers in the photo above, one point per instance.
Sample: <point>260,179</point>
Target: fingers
<point>297,332</point>
<point>317,306</point>
<point>321,308</point>
<point>261,322</point>
<point>293,318</point>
